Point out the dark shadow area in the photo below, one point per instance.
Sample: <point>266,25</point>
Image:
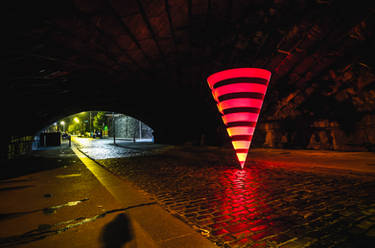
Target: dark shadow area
<point>117,232</point>
<point>26,165</point>
<point>46,211</point>
<point>13,181</point>
<point>40,160</point>
<point>7,216</point>
<point>16,187</point>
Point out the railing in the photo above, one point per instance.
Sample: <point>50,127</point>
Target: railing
<point>20,146</point>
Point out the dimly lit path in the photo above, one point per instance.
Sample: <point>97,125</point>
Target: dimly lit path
<point>260,206</point>
<point>59,204</point>
<point>70,201</point>
<point>150,59</point>
<point>273,202</point>
<point>105,148</point>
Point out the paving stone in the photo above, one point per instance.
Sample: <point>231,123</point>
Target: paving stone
<point>280,238</point>
<point>217,226</point>
<point>371,232</point>
<point>264,205</point>
<point>299,243</point>
<point>242,234</point>
<point>259,228</point>
<point>238,227</point>
<point>261,244</point>
<point>223,218</point>
<point>227,238</point>
<point>220,232</point>
<point>242,242</point>
<point>204,222</point>
<point>202,217</point>
<point>260,235</point>
<point>365,224</point>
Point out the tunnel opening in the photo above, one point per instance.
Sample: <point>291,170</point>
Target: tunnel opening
<point>94,125</point>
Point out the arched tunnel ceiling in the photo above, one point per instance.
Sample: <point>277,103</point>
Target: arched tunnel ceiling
<point>150,58</point>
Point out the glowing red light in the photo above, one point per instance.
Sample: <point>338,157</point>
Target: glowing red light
<point>239,94</point>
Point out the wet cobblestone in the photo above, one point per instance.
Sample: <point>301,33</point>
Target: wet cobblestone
<point>260,206</point>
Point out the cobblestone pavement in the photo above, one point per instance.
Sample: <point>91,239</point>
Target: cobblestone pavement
<point>260,206</point>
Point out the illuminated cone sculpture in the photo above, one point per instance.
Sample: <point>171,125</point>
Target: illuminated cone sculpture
<point>239,94</point>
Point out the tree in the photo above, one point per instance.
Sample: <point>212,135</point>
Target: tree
<point>74,128</point>
<point>99,121</point>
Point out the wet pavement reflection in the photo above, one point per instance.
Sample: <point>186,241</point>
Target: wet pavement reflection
<point>57,203</point>
<point>260,206</point>
<point>105,148</point>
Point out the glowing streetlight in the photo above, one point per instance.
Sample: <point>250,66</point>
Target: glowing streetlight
<point>62,123</point>
<point>76,120</point>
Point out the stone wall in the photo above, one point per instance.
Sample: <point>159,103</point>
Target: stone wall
<point>129,127</point>
<point>336,112</point>
<point>19,146</point>
<point>322,135</point>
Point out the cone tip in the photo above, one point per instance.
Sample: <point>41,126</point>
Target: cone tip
<point>242,163</point>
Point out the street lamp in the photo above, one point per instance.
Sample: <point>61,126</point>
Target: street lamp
<point>62,123</point>
<point>76,120</point>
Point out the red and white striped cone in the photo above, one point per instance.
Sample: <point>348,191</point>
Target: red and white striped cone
<point>239,94</point>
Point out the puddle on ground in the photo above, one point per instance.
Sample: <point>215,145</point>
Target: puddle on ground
<point>47,211</point>
<point>52,210</point>
<point>5,181</point>
<point>7,216</point>
<point>46,230</point>
<point>16,187</point>
<point>67,155</point>
<point>68,176</point>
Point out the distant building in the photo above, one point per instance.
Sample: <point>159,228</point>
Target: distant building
<point>127,127</point>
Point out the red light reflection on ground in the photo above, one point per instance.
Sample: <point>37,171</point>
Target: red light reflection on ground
<point>242,213</point>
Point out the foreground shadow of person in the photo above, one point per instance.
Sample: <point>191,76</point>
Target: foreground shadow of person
<point>117,232</point>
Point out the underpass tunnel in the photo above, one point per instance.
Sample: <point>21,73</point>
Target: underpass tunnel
<point>94,124</point>
<point>307,179</point>
<point>101,124</point>
<point>176,114</point>
<point>151,61</point>
<point>174,118</point>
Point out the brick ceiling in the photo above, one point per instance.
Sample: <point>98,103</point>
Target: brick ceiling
<point>148,57</point>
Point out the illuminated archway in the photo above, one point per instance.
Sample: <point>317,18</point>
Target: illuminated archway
<point>95,124</point>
